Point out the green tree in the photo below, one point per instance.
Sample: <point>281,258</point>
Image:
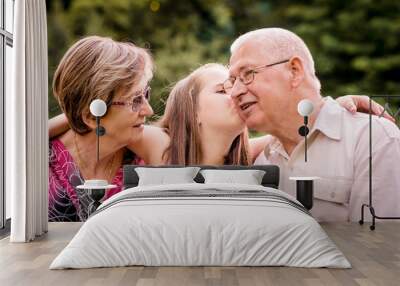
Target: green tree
<point>355,43</point>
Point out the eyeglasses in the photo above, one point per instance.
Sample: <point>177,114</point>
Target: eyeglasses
<point>138,99</point>
<point>246,76</point>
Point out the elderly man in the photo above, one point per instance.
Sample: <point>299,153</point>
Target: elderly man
<point>271,71</point>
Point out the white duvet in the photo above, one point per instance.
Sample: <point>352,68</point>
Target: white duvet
<point>183,231</point>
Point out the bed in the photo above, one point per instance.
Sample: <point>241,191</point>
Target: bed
<point>201,224</point>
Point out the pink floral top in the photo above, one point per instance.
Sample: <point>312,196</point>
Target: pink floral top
<point>66,202</point>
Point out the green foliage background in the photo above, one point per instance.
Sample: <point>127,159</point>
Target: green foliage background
<point>355,43</point>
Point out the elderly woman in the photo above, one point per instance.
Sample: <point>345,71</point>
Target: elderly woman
<point>118,73</point>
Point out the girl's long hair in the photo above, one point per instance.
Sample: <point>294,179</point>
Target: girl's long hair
<point>180,122</point>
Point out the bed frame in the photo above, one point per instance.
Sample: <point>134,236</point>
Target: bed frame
<point>270,179</point>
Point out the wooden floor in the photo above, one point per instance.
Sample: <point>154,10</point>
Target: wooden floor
<point>374,255</point>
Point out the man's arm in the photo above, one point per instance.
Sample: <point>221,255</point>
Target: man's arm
<point>385,172</point>
<point>150,147</point>
<point>257,145</point>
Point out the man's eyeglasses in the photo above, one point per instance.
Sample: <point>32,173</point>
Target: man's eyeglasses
<point>246,76</point>
<point>138,99</point>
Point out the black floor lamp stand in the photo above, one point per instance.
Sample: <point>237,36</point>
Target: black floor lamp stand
<point>370,204</point>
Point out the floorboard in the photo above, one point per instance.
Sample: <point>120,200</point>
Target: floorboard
<point>374,255</point>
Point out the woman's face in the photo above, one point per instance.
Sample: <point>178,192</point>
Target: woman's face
<point>121,122</point>
<point>216,109</point>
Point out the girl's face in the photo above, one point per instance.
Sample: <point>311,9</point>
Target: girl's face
<point>216,109</point>
<point>125,118</point>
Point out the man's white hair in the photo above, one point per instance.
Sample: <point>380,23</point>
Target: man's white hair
<point>279,44</point>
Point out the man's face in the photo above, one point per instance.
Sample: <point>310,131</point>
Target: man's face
<point>261,103</point>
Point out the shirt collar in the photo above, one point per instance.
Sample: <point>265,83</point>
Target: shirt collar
<point>329,122</point>
<point>329,119</point>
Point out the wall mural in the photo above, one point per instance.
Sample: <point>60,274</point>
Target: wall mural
<point>207,87</point>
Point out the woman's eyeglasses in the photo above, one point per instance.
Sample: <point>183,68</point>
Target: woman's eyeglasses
<point>137,101</point>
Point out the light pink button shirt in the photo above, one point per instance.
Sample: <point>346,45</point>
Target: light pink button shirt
<point>338,153</point>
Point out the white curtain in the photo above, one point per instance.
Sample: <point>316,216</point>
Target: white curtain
<point>26,124</point>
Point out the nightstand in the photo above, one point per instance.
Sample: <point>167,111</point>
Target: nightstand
<point>305,190</point>
<point>96,190</point>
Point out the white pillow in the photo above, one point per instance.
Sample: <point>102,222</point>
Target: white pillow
<point>163,176</point>
<point>249,177</point>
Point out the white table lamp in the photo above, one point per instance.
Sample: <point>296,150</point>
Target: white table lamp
<point>305,108</point>
<point>97,188</point>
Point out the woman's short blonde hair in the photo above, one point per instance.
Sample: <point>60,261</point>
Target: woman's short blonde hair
<point>97,68</point>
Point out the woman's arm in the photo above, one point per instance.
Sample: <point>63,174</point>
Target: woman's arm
<point>151,146</point>
<point>360,103</point>
<point>58,125</point>
<point>352,103</point>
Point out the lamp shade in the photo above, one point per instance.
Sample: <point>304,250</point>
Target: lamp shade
<point>305,107</point>
<point>98,108</point>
